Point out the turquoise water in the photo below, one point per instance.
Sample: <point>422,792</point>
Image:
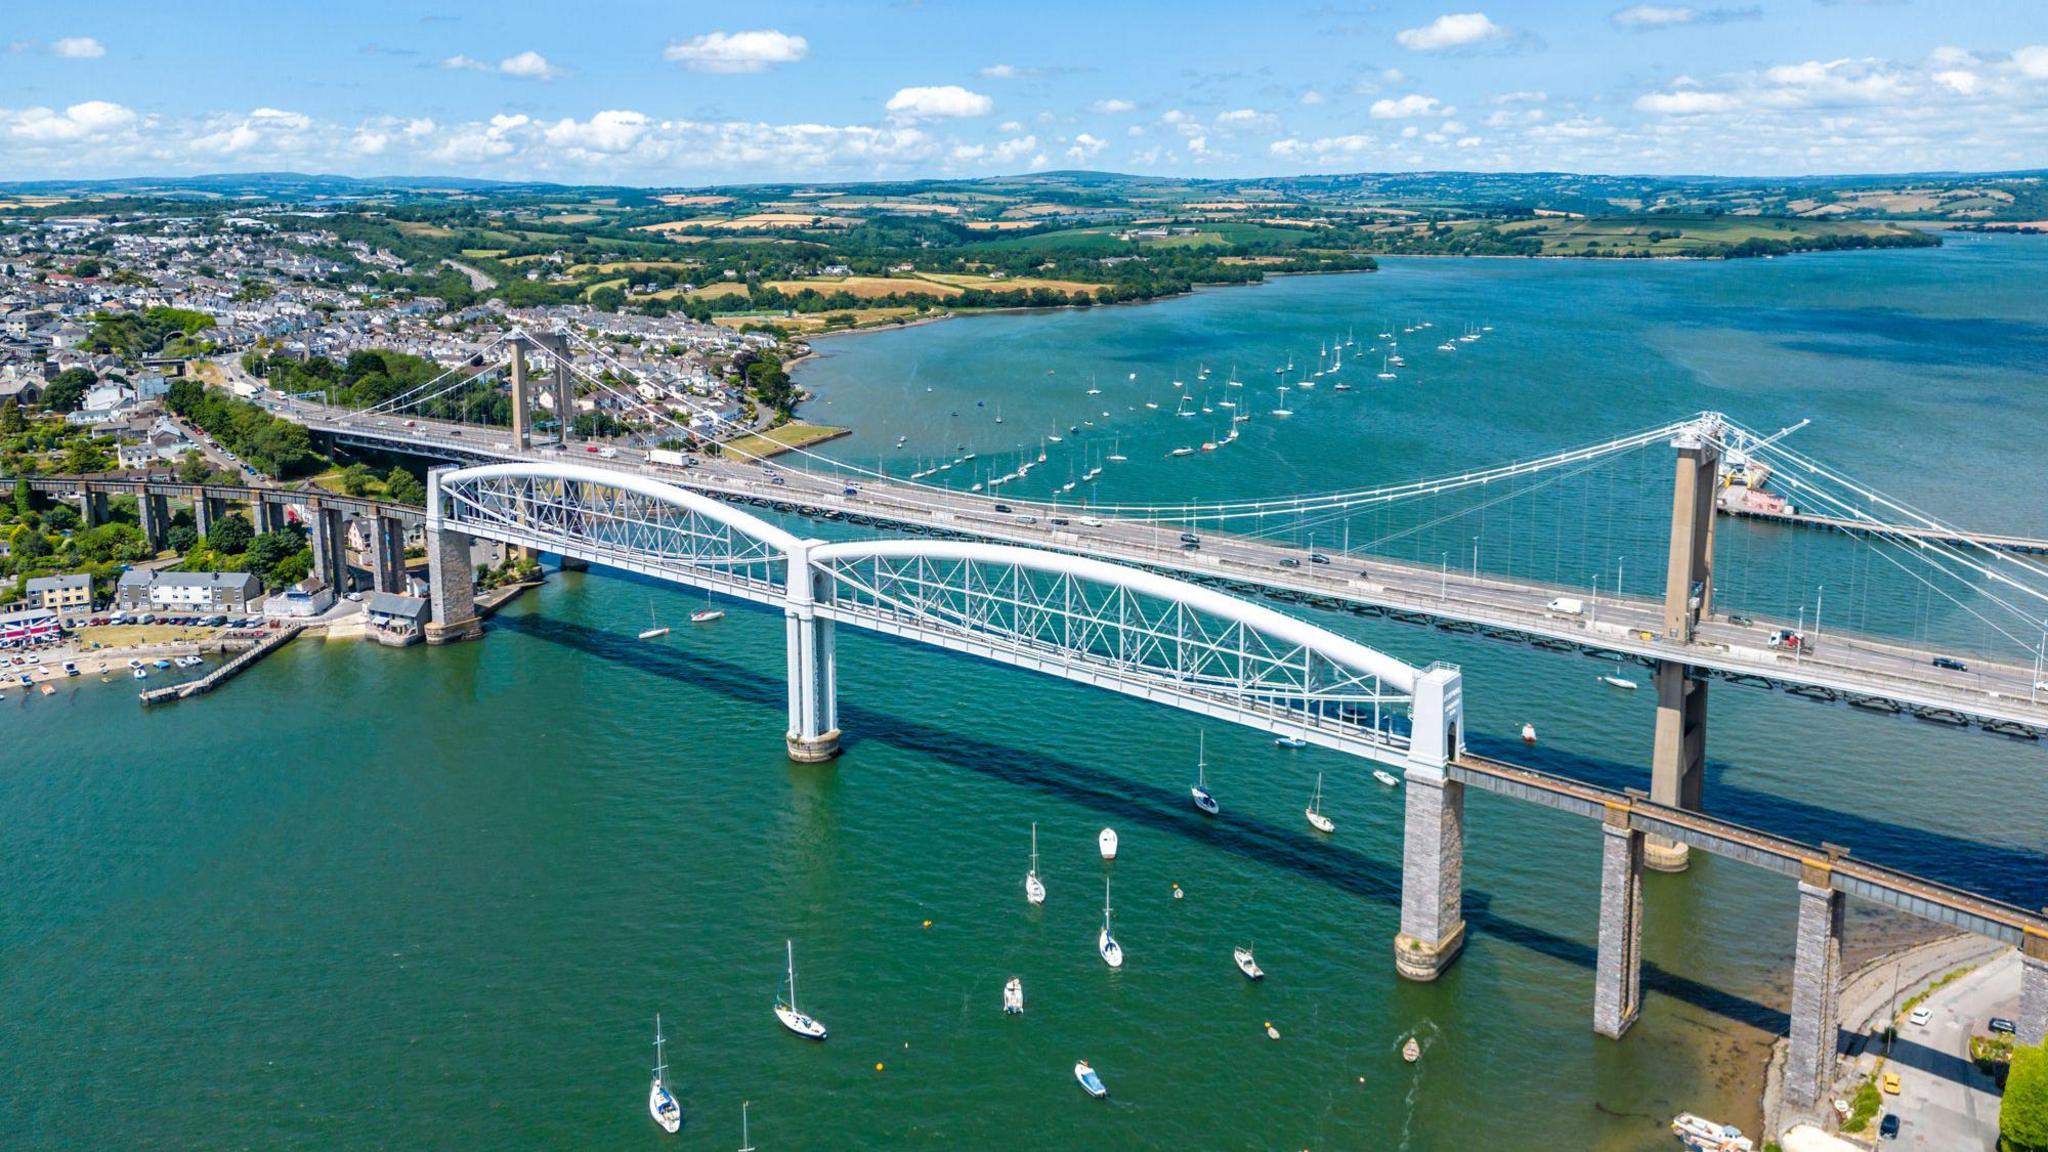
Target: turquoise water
<point>432,899</point>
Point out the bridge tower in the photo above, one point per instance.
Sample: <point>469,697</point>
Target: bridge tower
<point>451,579</point>
<point>813,735</point>
<point>550,345</point>
<point>1679,754</point>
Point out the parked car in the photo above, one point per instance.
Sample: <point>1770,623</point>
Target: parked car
<point>1889,1126</point>
<point>1951,664</point>
<point>2001,1024</point>
<point>1891,1083</point>
<point>1920,1017</point>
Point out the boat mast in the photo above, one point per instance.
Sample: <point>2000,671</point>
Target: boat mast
<point>791,946</point>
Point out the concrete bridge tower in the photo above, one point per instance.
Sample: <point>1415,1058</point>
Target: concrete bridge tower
<point>1680,752</point>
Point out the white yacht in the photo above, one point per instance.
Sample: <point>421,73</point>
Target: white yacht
<point>791,1018</point>
<point>661,1104</point>
<point>1034,888</point>
<point>1314,811</point>
<point>1112,952</point>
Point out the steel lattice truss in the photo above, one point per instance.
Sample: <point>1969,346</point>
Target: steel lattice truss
<point>618,526</point>
<point>1111,634</point>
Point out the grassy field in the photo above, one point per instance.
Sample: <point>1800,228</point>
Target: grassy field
<point>775,441</point>
<point>1680,235</point>
<point>131,635</point>
<point>1012,284</point>
<point>421,228</point>
<point>867,287</point>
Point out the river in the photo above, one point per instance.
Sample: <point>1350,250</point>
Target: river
<point>433,899</point>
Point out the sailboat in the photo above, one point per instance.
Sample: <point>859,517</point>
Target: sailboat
<point>1247,965</point>
<point>660,1103</point>
<point>1283,409</point>
<point>1200,788</point>
<point>654,631</point>
<point>1386,372</point>
<point>999,412</point>
<point>1116,454</point>
<point>1034,888</point>
<point>1013,997</point>
<point>746,1145</point>
<point>707,613</point>
<point>1112,952</point>
<point>792,1019</point>
<point>1314,811</point>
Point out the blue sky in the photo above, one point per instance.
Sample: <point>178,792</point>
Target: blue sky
<point>647,92</point>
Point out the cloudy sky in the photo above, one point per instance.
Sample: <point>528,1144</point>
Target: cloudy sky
<point>678,92</point>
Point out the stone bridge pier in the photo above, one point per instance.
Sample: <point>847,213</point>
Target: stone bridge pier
<point>2033,1019</point>
<point>1433,841</point>
<point>813,672</point>
<point>1815,1035</point>
<point>451,578</point>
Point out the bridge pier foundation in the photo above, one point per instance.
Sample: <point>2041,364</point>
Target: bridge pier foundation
<point>813,735</point>
<point>451,585</point>
<point>1679,755</point>
<point>269,517</point>
<point>1618,969</point>
<point>204,512</point>
<point>1432,875</point>
<point>1816,991</point>
<point>387,547</point>
<point>2033,1019</point>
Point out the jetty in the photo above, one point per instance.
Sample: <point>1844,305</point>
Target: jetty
<point>225,672</point>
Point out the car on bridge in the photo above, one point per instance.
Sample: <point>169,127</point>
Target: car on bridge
<point>1318,558</point>
<point>1950,663</point>
<point>1289,562</point>
<point>1789,640</point>
<point>1190,538</point>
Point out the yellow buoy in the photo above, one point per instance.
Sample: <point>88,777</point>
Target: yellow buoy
<point>878,1065</point>
<point>927,923</point>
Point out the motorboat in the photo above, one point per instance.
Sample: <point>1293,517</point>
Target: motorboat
<point>1107,842</point>
<point>787,1012</point>
<point>1013,997</point>
<point>1704,1135</point>
<point>1090,1082</point>
<point>1105,944</point>
<point>1289,742</point>
<point>138,673</point>
<point>1247,965</point>
<point>1386,777</point>
<point>1528,733</point>
<point>1034,888</point>
<point>1411,1051</point>
<point>661,1103</point>
<point>1314,811</point>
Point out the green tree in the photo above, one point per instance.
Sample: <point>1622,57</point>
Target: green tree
<point>67,389</point>
<point>86,269</point>
<point>402,487</point>
<point>28,543</point>
<point>357,479</point>
<point>115,543</point>
<point>193,468</point>
<point>2023,1117</point>
<point>268,552</point>
<point>85,455</point>
<point>181,538</point>
<point>230,535</point>
<point>24,498</point>
<point>11,422</point>
<point>291,569</point>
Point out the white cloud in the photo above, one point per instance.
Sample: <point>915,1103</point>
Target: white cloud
<point>1247,120</point>
<point>78,48</point>
<point>459,63</point>
<point>1653,16</point>
<point>946,100</point>
<point>1960,81</point>
<point>606,133</point>
<point>1011,126</point>
<point>529,65</point>
<point>1524,97</point>
<point>1010,151</point>
<point>1455,30</point>
<point>265,131</point>
<point>83,121</point>
<point>1086,147</point>
<point>1684,102</point>
<point>733,52</point>
<point>1313,97</point>
<point>1000,72</point>
<point>1112,107</point>
<point>1413,104</point>
<point>2032,61</point>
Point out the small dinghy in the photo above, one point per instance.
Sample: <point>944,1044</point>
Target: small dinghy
<point>1528,733</point>
<point>1386,777</point>
<point>1013,996</point>
<point>1090,1082</point>
<point>1247,965</point>
<point>1411,1051</point>
<point>1289,742</point>
<point>1107,842</point>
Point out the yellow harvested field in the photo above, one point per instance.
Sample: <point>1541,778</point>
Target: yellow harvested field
<point>723,288</point>
<point>679,201</point>
<point>678,225</point>
<point>571,218</point>
<point>1013,284</point>
<point>867,287</point>
<point>421,228</point>
<point>999,225</point>
<point>787,220</point>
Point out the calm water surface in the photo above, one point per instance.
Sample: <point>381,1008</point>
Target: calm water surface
<point>365,899</point>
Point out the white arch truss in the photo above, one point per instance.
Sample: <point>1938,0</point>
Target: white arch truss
<point>618,519</point>
<point>1128,630</point>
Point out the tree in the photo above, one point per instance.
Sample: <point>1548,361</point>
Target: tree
<point>11,422</point>
<point>402,487</point>
<point>270,557</point>
<point>181,538</point>
<point>24,498</point>
<point>83,455</point>
<point>67,390</point>
<point>86,269</point>
<point>28,543</point>
<point>113,543</point>
<point>2023,1117</point>
<point>230,535</point>
<point>193,468</point>
<point>357,478</point>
